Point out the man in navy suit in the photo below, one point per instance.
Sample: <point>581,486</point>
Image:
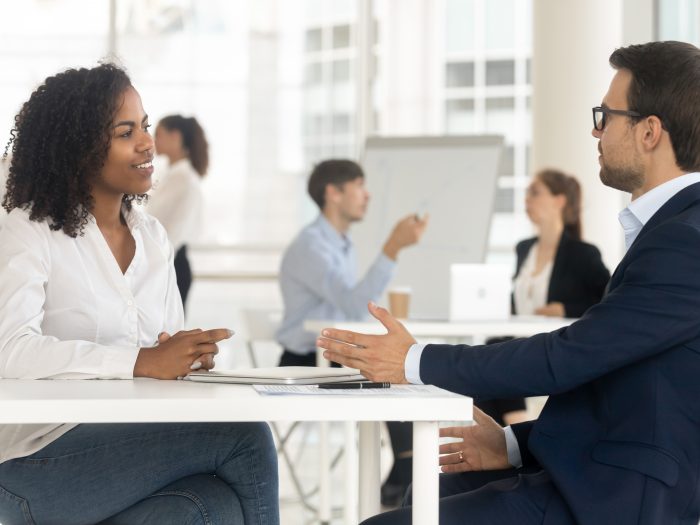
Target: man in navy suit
<point>619,438</point>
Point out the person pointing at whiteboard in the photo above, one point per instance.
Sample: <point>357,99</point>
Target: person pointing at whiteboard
<point>318,275</point>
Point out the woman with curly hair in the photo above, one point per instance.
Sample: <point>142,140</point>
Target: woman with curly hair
<point>177,201</point>
<point>87,290</point>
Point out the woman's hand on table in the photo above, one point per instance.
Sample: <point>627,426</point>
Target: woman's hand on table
<point>178,355</point>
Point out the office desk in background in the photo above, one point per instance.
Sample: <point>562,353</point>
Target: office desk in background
<point>152,401</point>
<point>479,331</point>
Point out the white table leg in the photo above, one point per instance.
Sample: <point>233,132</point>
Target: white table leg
<point>425,472</point>
<point>369,469</point>
<point>324,505</point>
<point>351,474</point>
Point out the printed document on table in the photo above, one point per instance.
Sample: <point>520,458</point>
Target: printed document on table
<point>314,390</point>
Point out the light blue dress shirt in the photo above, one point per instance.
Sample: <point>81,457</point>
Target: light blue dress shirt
<point>318,280</point>
<point>637,214</point>
<point>633,218</point>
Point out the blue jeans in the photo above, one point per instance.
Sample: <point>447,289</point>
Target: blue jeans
<point>174,473</point>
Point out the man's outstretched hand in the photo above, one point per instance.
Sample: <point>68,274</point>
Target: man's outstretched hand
<point>378,357</point>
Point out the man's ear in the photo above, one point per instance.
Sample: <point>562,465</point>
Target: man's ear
<point>651,130</point>
<point>333,193</point>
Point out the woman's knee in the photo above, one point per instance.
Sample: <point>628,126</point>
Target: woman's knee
<point>259,437</point>
<point>202,499</point>
<point>261,433</point>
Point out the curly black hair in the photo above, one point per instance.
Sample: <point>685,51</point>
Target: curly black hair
<point>59,145</point>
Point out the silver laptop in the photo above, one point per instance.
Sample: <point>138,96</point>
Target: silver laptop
<point>280,375</point>
<point>479,292</point>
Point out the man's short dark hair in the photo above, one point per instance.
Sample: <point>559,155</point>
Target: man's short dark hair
<point>666,83</point>
<point>334,171</point>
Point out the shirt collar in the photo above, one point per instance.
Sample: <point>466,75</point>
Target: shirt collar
<point>645,206</point>
<point>134,217</point>
<point>637,214</point>
<point>338,239</point>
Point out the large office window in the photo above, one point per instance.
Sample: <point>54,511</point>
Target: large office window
<point>329,95</point>
<point>33,46</point>
<point>274,84</point>
<point>175,54</point>
<point>678,20</point>
<point>487,90</point>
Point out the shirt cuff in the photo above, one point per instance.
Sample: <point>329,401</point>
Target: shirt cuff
<point>412,364</point>
<point>512,448</point>
<point>121,362</point>
<point>384,263</point>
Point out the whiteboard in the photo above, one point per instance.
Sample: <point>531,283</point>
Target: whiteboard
<point>453,179</point>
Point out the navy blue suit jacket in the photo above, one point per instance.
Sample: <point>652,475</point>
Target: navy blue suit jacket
<point>620,433</point>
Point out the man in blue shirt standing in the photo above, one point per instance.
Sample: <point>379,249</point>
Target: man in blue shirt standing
<point>318,279</point>
<point>318,276</point>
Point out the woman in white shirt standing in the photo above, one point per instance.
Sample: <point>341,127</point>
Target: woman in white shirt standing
<point>87,291</point>
<point>176,201</point>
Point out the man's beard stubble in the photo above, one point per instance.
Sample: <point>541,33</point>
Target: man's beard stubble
<point>623,178</point>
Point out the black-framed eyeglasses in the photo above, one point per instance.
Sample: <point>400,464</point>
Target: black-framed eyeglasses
<point>600,116</point>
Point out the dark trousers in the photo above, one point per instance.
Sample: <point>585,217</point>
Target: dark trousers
<point>183,273</point>
<point>491,497</point>
<point>401,435</point>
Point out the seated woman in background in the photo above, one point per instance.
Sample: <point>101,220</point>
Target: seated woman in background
<point>557,274</point>
<point>177,200</point>
<point>87,290</point>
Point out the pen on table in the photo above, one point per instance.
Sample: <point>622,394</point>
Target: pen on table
<point>354,385</point>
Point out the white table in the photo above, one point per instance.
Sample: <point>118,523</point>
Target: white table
<point>455,331</point>
<point>150,401</point>
<point>516,325</point>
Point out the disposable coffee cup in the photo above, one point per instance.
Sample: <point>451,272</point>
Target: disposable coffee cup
<point>399,301</point>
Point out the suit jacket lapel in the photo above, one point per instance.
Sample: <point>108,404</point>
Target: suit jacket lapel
<point>681,201</point>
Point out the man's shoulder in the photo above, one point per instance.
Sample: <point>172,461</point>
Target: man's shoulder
<point>311,235</point>
<point>688,219</point>
<point>308,241</point>
<point>680,231</point>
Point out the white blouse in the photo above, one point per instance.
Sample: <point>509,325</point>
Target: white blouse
<point>530,289</point>
<point>176,201</point>
<point>68,312</point>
